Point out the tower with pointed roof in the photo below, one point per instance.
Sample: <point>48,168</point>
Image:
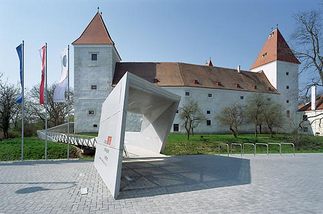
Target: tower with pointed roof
<point>280,65</point>
<point>95,58</point>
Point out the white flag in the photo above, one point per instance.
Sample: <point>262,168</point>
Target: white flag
<point>59,93</point>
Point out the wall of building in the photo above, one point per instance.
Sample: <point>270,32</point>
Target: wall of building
<point>220,99</point>
<point>314,124</point>
<point>270,71</point>
<point>284,77</point>
<point>89,74</point>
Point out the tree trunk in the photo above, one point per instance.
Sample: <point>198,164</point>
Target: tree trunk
<point>233,132</point>
<point>271,131</point>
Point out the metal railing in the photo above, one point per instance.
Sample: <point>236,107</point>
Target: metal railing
<point>262,144</point>
<point>242,147</point>
<point>236,144</point>
<point>292,144</point>
<point>227,146</point>
<point>251,144</point>
<point>63,138</point>
<point>280,146</point>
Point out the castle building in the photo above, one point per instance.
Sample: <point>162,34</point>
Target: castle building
<point>98,67</point>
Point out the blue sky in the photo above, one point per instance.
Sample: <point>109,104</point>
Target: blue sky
<point>231,32</point>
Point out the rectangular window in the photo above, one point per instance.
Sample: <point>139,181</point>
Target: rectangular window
<point>94,57</point>
<point>175,127</point>
<point>177,111</point>
<point>209,95</point>
<point>288,114</point>
<point>208,112</point>
<point>208,122</point>
<point>287,101</point>
<point>187,93</point>
<point>241,97</point>
<point>95,125</point>
<point>91,112</point>
<point>93,87</point>
<point>287,73</point>
<point>287,87</point>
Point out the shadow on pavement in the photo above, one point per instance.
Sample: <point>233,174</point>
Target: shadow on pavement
<point>156,176</point>
<point>36,162</point>
<point>32,189</point>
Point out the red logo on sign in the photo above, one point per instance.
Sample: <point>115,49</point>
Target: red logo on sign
<point>109,140</point>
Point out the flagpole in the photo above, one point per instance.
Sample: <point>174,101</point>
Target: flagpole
<point>46,100</point>
<point>23,101</point>
<point>68,101</point>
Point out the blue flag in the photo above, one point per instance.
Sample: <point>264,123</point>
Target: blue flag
<point>19,52</point>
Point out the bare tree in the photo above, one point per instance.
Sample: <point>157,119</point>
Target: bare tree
<point>308,41</point>
<point>191,115</point>
<point>231,116</point>
<point>57,112</point>
<point>8,106</point>
<point>254,108</point>
<point>262,110</point>
<point>273,116</point>
<point>308,37</point>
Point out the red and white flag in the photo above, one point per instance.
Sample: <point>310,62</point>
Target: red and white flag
<point>43,67</point>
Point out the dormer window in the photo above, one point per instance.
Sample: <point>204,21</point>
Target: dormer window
<point>156,80</point>
<point>94,57</point>
<point>255,87</point>
<point>219,83</point>
<point>196,82</point>
<point>238,85</point>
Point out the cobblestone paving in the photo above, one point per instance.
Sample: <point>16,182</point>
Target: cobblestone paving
<point>188,184</point>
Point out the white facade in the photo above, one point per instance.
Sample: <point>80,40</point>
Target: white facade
<point>284,77</point>
<point>211,103</point>
<point>314,123</point>
<point>92,83</point>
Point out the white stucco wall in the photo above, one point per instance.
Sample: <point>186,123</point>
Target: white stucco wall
<point>219,100</point>
<point>284,77</point>
<point>314,124</point>
<point>87,73</point>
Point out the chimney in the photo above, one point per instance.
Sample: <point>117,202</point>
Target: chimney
<point>238,68</point>
<point>313,97</point>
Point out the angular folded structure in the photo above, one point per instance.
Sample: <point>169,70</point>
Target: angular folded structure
<point>157,108</point>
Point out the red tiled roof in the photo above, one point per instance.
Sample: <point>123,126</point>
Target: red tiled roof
<point>318,104</point>
<point>172,74</point>
<point>96,33</point>
<point>275,48</point>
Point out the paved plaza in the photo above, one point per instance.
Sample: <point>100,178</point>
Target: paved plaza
<point>187,184</point>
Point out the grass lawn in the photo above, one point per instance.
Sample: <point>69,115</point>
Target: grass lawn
<point>33,149</point>
<point>177,144</point>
